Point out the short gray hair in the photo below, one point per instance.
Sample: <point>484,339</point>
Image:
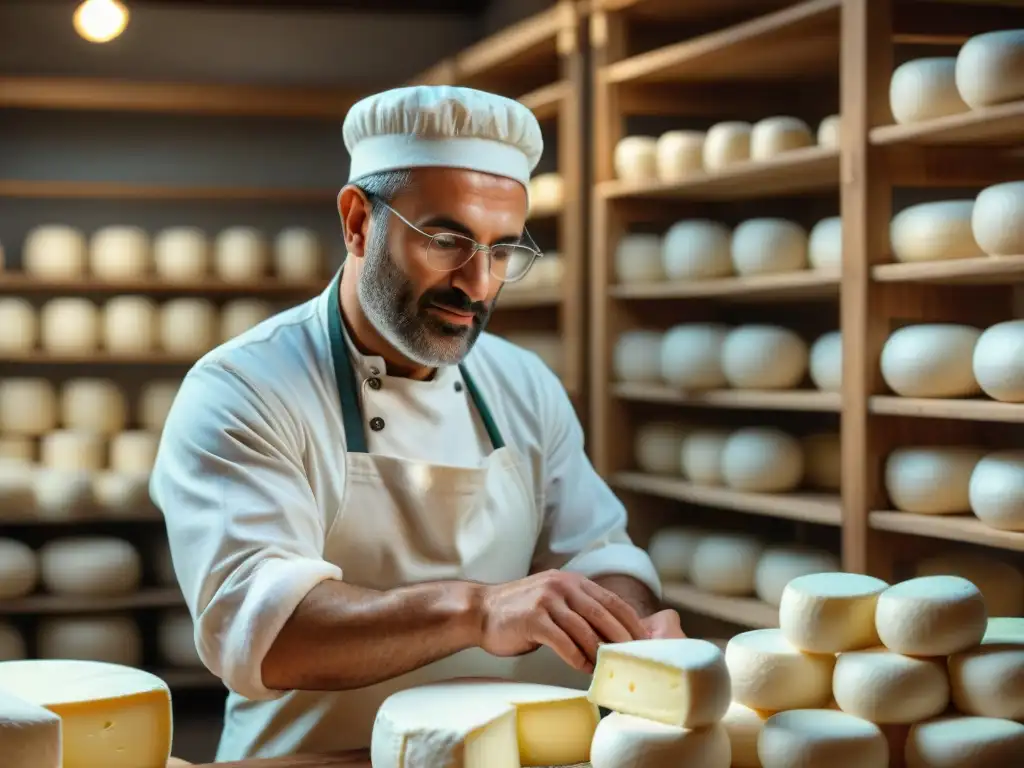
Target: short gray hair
<point>384,185</point>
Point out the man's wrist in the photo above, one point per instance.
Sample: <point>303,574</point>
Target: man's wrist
<point>632,590</point>
<point>470,613</point>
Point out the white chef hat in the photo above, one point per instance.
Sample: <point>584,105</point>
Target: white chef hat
<point>442,126</point>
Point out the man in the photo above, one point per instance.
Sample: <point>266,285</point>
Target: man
<point>367,492</point>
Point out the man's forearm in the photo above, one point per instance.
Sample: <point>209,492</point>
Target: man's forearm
<point>635,592</point>
<point>343,637</point>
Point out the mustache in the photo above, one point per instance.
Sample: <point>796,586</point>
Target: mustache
<point>455,299</point>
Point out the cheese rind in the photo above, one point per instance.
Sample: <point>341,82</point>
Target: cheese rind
<point>830,612</point>
<point>821,737</point>
<point>29,734</point>
<point>964,742</point>
<point>988,681</point>
<point>885,687</point>
<point>624,740</point>
<point>768,672</point>
<point>931,616</point>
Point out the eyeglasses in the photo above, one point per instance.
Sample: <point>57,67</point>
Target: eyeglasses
<point>448,251</point>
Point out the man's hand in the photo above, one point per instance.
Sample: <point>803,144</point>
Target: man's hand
<point>663,625</point>
<point>564,611</point>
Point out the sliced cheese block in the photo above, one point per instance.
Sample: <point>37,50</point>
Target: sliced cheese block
<point>830,612</point>
<point>931,616</point>
<point>636,158</point>
<point>30,735</point>
<point>764,357</point>
<point>780,564</point>
<point>691,356</point>
<point>934,231</point>
<point>825,244</point>
<point>28,406</point>
<point>679,155</point>
<point>110,716</point>
<point>155,400</point>
<point>931,360</point>
<point>925,88</point>
<point>725,563</point>
<point>114,639</point>
<point>637,356</point>
<point>12,644</point>
<point>769,673</point>
<point>998,361</point>
<point>821,737</point>
<point>19,569</point>
<point>181,254</point>
<point>671,551</point>
<point>130,325</point>
<point>964,742</point>
<point>638,259</point>
<point>624,740</point>
<point>830,132</point>
<point>762,460</point>
<point>134,451</point>
<point>123,495</point>
<point>997,490</point>
<point>188,326</point>
<point>823,466</point>
<point>63,496</point>
<point>702,456</point>
<point>547,193</point>
<point>681,682</point>
<point>73,450</point>
<point>55,252</point>
<point>239,316</point>
<point>658,447</point>
<point>95,405</point>
<point>240,255</point>
<point>825,363</point>
<point>69,326</point>
<point>176,640</point>
<point>119,253</point>
<point>298,255</point>
<point>988,681</point>
<point>990,68</point>
<point>997,221</point>
<point>726,144</point>
<point>743,726</point>
<point>885,687</point>
<point>697,249</point>
<point>90,566</point>
<point>931,480</point>
<point>19,326</point>
<point>1001,584</point>
<point>769,246</point>
<point>772,136</point>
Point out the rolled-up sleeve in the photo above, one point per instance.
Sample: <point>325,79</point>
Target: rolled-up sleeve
<point>584,522</point>
<point>245,531</point>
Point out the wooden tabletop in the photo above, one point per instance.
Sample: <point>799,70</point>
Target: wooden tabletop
<point>360,759</point>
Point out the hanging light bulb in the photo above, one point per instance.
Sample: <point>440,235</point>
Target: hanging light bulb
<point>100,21</point>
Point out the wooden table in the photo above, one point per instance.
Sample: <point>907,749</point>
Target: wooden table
<point>359,759</point>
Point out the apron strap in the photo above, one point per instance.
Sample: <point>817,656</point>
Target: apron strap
<point>345,377</point>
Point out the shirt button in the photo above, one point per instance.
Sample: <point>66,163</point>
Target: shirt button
<point>374,383</point>
<point>458,386</point>
<point>376,423</point>
<point>374,370</point>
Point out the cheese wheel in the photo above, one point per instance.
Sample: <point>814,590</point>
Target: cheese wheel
<point>671,551</point>
<point>885,687</point>
<point>930,616</point>
<point>69,326</point>
<point>997,219</point>
<point>964,742</point>
<point>691,356</point>
<point>240,255</point>
<point>768,246</point>
<point>19,326</point>
<point>762,460</point>
<point>702,456</point>
<point>92,566</point>
<point>931,360</point>
<point>188,326</point>
<point>637,356</point>
<point>830,132</point>
<point>658,446</point>
<point>998,361</point>
<point>988,681</point>
<point>623,740</point>
<point>28,406</point>
<point>123,495</point>
<point>696,249</point>
<point>181,254</point>
<point>830,612</point>
<point>119,253</point>
<point>63,496</point>
<point>547,193</point>
<point>298,255</point>
<point>54,252</point>
<point>769,673</point>
<point>18,449</point>
<point>1001,584</point>
<point>12,644</point>
<point>996,490</point>
<point>176,640</point>
<point>113,639</point>
<point>725,563</point>
<point>764,357</point>
<point>931,480</point>
<point>825,244</point>
<point>636,159</point>
<point>130,325</point>
<point>549,270</point>
<point>825,363</point>
<point>155,400</point>
<point>772,136</point>
<point>990,68</point>
<point>679,155</point>
<point>638,259</point>
<point>743,726</point>
<point>30,735</point>
<point>923,89</point>
<point>19,569</point>
<point>133,451</point>
<point>239,316</point>
<point>726,144</point>
<point>780,564</point>
<point>94,405</point>
<point>823,461</point>
<point>934,231</point>
<point>825,737</point>
<point>72,450</point>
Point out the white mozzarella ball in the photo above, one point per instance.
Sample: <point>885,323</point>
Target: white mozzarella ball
<point>637,356</point>
<point>691,356</point>
<point>679,155</point>
<point>725,563</point>
<point>658,447</point>
<point>990,68</point>
<point>923,89</point>
<point>762,460</point>
<point>55,252</point>
<point>826,362</point>
<point>997,219</point>
<point>638,259</point>
<point>934,231</point>
<point>931,360</point>
<point>764,357</point>
<point>825,244</point>
<point>697,249</point>
<point>768,246</point>
<point>119,253</point>
<point>998,361</point>
<point>997,490</point>
<point>636,159</point>
<point>702,456</point>
<point>181,254</point>
<point>772,136</point>
<point>780,564</point>
<point>671,551</point>
<point>931,480</point>
<point>830,132</point>
<point>70,326</point>
<point>726,144</point>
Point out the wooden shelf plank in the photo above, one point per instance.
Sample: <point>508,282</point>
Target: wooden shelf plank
<point>546,101</point>
<point>961,528</point>
<point>777,400</point>
<point>745,611</point>
<point>803,284</point>
<point>53,604</point>
<point>98,357</point>
<point>987,270</point>
<point>972,409</point>
<point>990,125</point>
<point>690,11</point>
<point>810,169</point>
<point>115,190</point>
<point>91,520</point>
<point>22,284</point>
<point>524,298</point>
<point>822,509</point>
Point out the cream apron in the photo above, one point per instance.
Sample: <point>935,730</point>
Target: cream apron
<point>401,522</point>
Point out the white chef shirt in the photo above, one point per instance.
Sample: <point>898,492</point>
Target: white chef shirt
<point>250,473</point>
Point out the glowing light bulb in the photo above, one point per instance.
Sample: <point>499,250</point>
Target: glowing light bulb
<point>100,21</point>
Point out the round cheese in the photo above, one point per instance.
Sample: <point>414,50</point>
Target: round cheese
<point>671,551</point>
<point>768,246</point>
<point>931,480</point>
<point>636,158</point>
<point>825,244</point>
<point>768,673</point>
<point>130,325</point>
<point>549,270</point>
<point>18,449</point>
<point>830,132</point>
<point>30,735</point>
<point>240,255</point>
<point>95,405</point>
<point>547,192</point>
<point>764,357</point>
<point>996,490</point>
<point>725,563</point>
<point>298,255</point>
<point>28,406</point>
<point>72,450</point>
<point>931,360</point>
<point>623,740</point>
<point>119,253</point>
<point>679,155</point>
<point>69,326</point>
<point>825,737</point>
<point>188,326</point>
<point>54,252</point>
<point>176,640</point>
<point>19,326</point>
<point>988,681</point>
<point>12,644</point>
<point>743,726</point>
<point>830,612</point>
<point>134,451</point>
<point>638,259</point>
<point>1001,584</point>
<point>62,496</point>
<point>930,616</point>
<point>239,316</point>
<point>155,400</point>
<point>19,569</point>
<point>691,356</point>
<point>637,356</point>
<point>122,495</point>
<point>90,566</point>
<point>823,461</point>
<point>780,564</point>
<point>726,144</point>
<point>964,742</point>
<point>934,231</point>
<point>658,447</point>
<point>923,89</point>
<point>181,254</point>
<point>885,687</point>
<point>702,456</point>
<point>696,249</point>
<point>990,68</point>
<point>825,363</point>
<point>998,361</point>
<point>762,460</point>
<point>772,136</point>
<point>997,219</point>
<point>113,639</point>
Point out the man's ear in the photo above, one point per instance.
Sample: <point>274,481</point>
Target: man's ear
<point>354,209</point>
